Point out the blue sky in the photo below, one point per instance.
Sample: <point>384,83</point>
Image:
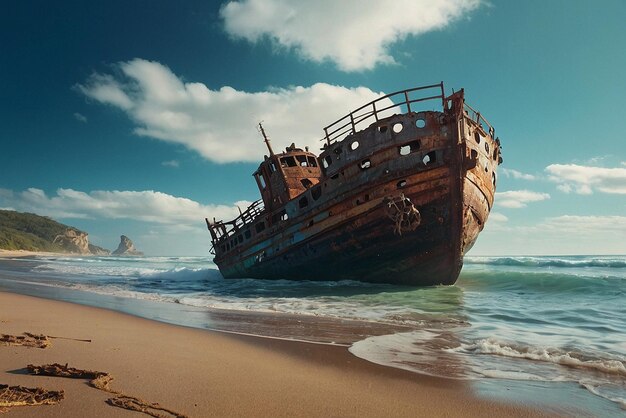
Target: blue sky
<point>138,118</point>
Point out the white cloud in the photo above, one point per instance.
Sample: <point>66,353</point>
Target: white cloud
<point>148,206</point>
<point>171,163</point>
<point>221,124</point>
<point>566,234</point>
<point>597,160</point>
<point>79,117</point>
<point>519,198</point>
<point>354,34</point>
<point>585,225</point>
<point>497,217</point>
<point>508,172</point>
<point>106,89</point>
<point>585,179</point>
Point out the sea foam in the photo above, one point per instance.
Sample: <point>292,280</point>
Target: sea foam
<point>610,364</point>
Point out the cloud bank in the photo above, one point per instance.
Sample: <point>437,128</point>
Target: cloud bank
<point>356,35</point>
<point>566,234</point>
<point>221,124</point>
<point>147,206</point>
<point>585,179</point>
<point>515,199</point>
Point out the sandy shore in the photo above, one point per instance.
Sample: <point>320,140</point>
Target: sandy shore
<point>200,373</point>
<point>24,253</point>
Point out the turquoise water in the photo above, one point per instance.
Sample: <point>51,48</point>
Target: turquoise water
<point>545,320</point>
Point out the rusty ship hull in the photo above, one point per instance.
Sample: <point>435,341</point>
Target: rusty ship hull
<point>400,201</point>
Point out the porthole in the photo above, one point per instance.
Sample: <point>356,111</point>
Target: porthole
<point>420,123</point>
<point>429,158</point>
<point>365,164</point>
<point>382,129</point>
<point>487,147</point>
<point>354,145</point>
<point>493,178</point>
<point>409,148</point>
<point>401,184</point>
<point>477,137</point>
<point>397,127</point>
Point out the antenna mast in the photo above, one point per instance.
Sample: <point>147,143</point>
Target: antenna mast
<point>266,139</point>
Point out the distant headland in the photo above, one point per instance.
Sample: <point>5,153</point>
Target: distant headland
<point>31,232</point>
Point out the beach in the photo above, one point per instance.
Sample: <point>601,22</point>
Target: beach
<point>201,373</point>
<point>25,253</point>
<point>516,336</point>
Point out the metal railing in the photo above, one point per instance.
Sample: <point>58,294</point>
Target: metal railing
<point>227,229</point>
<point>348,124</point>
<point>479,119</point>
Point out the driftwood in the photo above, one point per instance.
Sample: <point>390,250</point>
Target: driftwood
<point>27,340</point>
<point>22,396</point>
<point>102,381</point>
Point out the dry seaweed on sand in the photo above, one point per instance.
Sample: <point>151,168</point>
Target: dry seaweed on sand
<point>136,404</point>
<point>22,396</point>
<point>27,339</point>
<point>102,381</point>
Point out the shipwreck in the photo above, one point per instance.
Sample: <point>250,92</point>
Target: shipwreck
<point>399,194</point>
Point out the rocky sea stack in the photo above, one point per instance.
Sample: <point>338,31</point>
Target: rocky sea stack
<point>126,247</point>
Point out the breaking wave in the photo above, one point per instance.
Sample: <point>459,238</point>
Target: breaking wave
<point>610,364</point>
<point>604,261</point>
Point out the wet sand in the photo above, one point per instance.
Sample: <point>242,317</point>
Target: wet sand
<point>24,253</point>
<point>201,373</point>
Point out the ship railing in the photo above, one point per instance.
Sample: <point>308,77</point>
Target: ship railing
<point>397,102</point>
<point>479,119</point>
<point>223,230</point>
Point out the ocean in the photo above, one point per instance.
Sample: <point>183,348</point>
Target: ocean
<point>521,327</point>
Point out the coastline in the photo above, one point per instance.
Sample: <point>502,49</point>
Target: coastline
<point>202,373</point>
<point>25,253</point>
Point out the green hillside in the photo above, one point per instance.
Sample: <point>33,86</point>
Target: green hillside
<point>27,231</point>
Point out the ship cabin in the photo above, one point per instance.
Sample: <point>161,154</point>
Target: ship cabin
<point>282,177</point>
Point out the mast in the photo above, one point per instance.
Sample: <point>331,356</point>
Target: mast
<point>266,139</point>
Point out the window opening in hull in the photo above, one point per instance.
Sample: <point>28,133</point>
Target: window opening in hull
<point>429,158</point>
